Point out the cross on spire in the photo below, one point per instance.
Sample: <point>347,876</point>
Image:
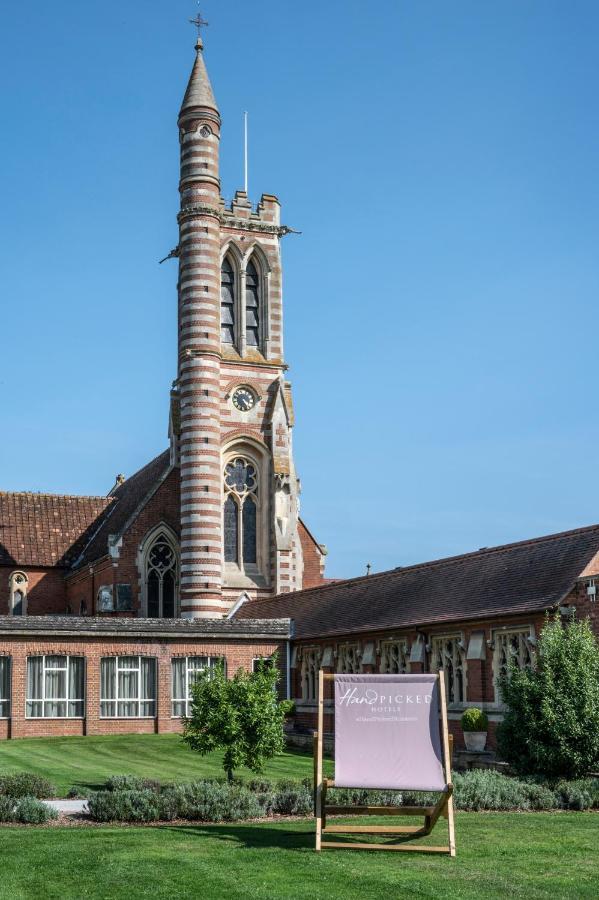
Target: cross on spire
<point>199,23</point>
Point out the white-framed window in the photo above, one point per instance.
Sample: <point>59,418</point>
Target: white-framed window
<point>4,687</point>
<point>395,657</point>
<point>17,593</point>
<point>348,659</point>
<point>510,648</point>
<point>259,661</point>
<point>310,667</point>
<point>55,687</point>
<point>127,687</point>
<point>448,654</point>
<point>185,672</point>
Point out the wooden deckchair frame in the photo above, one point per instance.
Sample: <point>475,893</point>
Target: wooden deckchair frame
<point>443,807</point>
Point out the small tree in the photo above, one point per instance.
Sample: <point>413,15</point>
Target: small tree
<point>551,726</point>
<point>241,716</point>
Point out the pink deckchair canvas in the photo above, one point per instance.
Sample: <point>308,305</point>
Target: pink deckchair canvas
<point>387,732</point>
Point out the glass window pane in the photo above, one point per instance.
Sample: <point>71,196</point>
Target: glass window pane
<point>231,530</point>
<point>127,709</point>
<point>17,603</point>
<point>108,678</point>
<point>153,595</point>
<point>124,598</point>
<point>76,678</point>
<point>178,669</point>
<point>128,685</point>
<point>179,708</point>
<point>168,595</point>
<point>56,684</point>
<point>148,679</point>
<point>249,531</point>
<point>35,670</point>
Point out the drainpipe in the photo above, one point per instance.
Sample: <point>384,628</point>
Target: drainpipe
<point>288,670</point>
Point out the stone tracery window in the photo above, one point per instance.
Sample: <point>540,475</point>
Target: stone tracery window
<point>447,654</point>
<point>348,659</point>
<point>395,657</point>
<point>310,667</point>
<point>511,648</point>
<point>227,302</point>
<point>161,579</point>
<point>241,512</point>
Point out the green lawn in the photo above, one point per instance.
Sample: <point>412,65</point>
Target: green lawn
<point>530,855</point>
<point>86,762</point>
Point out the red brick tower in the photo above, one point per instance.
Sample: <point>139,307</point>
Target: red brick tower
<point>232,412</point>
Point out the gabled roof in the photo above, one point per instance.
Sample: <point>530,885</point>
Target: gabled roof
<point>46,529</point>
<point>55,530</point>
<point>127,499</point>
<point>132,627</point>
<point>529,576</point>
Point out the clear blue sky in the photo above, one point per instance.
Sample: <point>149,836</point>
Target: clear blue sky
<point>442,323</point>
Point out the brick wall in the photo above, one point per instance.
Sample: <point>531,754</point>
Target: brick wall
<point>238,654</point>
<point>46,592</point>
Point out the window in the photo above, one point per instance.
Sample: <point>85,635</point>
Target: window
<point>394,657</point>
<point>227,302</point>
<point>511,648</point>
<point>447,654</point>
<point>17,593</point>
<point>4,687</point>
<point>128,687</point>
<point>161,579</point>
<point>185,672</point>
<point>310,667</point>
<point>240,513</point>
<point>252,306</point>
<point>105,601</point>
<point>55,687</point>
<point>259,661</point>
<point>348,659</point>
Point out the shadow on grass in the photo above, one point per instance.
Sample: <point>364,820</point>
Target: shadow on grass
<point>259,836</point>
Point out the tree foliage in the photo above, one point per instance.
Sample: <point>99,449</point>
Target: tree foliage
<point>241,716</point>
<point>551,726</point>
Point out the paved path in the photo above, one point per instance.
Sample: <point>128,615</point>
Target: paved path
<point>68,807</point>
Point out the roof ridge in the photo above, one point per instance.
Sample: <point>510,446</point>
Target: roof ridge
<point>104,497</point>
<point>482,551</point>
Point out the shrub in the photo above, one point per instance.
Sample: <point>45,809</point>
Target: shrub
<point>474,719</point>
<point>484,789</point>
<point>124,806</point>
<point>581,794</point>
<point>31,811</point>
<point>292,798</point>
<point>551,726</point>
<point>132,783</point>
<point>7,808</point>
<point>26,784</point>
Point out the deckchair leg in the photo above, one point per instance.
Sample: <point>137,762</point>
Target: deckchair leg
<point>318,787</point>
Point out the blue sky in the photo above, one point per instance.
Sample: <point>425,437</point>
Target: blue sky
<point>441,160</point>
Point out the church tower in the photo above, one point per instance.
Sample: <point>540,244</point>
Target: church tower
<point>231,410</point>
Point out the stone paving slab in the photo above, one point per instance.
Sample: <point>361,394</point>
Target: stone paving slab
<point>68,807</point>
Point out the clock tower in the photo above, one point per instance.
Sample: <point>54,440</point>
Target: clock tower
<point>231,408</point>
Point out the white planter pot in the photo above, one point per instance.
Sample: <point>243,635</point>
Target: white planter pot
<point>475,740</point>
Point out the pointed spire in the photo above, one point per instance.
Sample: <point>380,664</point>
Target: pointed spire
<point>199,90</point>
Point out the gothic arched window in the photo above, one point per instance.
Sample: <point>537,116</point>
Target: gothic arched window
<point>241,512</point>
<point>252,305</point>
<point>161,579</point>
<point>227,302</point>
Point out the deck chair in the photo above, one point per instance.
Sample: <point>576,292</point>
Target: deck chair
<point>390,734</point>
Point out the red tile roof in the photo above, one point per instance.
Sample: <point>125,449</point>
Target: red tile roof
<point>46,529</point>
<point>528,576</point>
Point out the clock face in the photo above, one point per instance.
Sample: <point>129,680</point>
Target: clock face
<point>243,399</point>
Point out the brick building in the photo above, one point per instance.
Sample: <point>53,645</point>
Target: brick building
<point>471,615</point>
<point>110,604</point>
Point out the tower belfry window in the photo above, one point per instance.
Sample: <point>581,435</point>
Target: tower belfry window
<point>252,306</point>
<point>240,512</point>
<point>227,302</point>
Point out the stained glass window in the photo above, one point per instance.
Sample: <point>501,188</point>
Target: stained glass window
<point>252,306</point>
<point>249,531</point>
<point>241,512</point>
<point>227,302</point>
